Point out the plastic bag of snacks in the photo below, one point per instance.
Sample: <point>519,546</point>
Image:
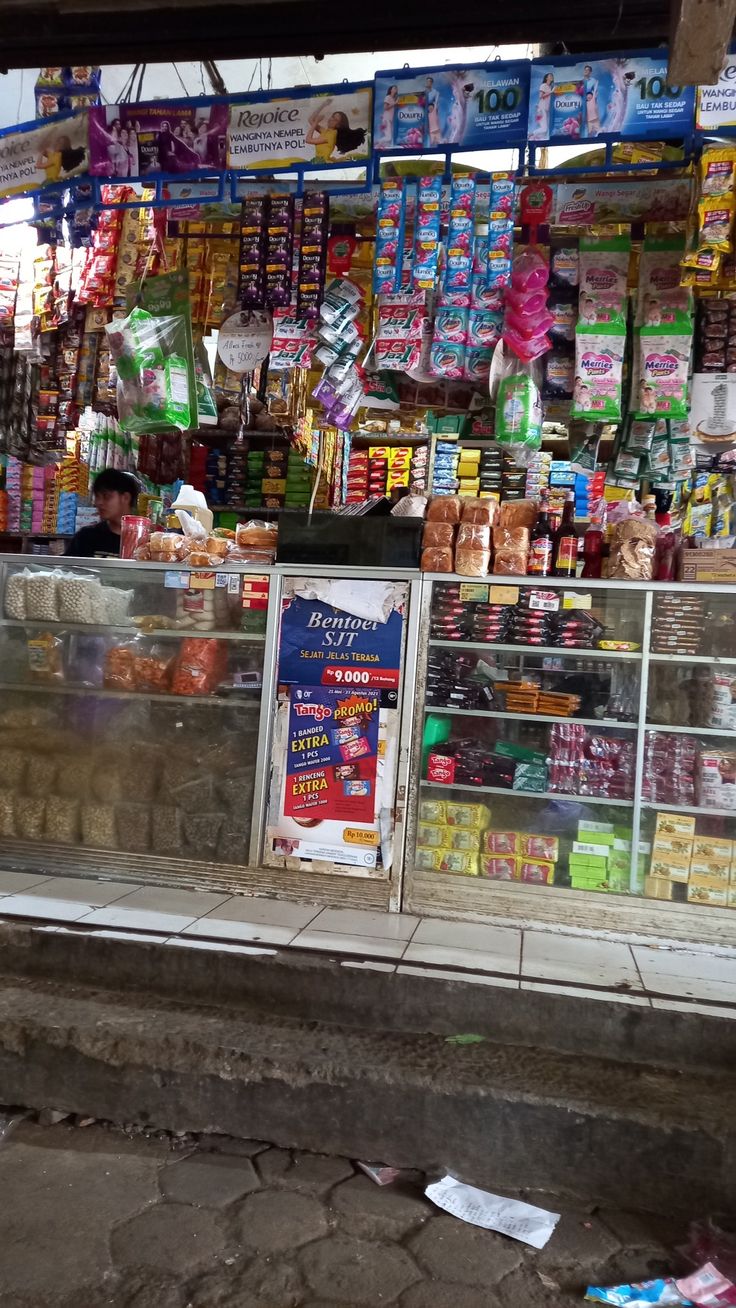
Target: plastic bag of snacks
<point>200,667</point>
<point>153,373</point>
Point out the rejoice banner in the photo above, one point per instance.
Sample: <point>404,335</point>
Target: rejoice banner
<point>34,156</point>
<point>320,127</point>
<point>482,106</point>
<point>620,97</point>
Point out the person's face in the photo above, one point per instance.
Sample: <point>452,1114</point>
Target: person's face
<point>587,70</point>
<point>334,121</point>
<point>429,83</point>
<point>112,505</point>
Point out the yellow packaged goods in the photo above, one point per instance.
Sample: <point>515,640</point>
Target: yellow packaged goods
<point>713,848</point>
<point>433,810</point>
<point>665,845</point>
<point>700,894</point>
<point>665,865</point>
<point>675,824</point>
<point>461,861</point>
<point>716,874</point>
<point>431,835</point>
<point>467,815</point>
<point>427,859</point>
<point>463,838</point>
<point>657,888</point>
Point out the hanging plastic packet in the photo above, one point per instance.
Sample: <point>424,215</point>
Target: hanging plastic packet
<point>460,235</point>
<point>604,270</point>
<point>599,360</point>
<point>153,386</point>
<point>664,366</point>
<point>312,253</point>
<point>519,411</point>
<point>389,246</point>
<point>559,375</point>
<point>564,269</point>
<point>427,232</point>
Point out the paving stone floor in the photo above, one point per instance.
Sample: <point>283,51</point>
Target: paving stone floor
<point>95,1216</point>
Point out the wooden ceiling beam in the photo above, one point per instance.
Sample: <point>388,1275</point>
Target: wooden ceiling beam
<point>700,34</point>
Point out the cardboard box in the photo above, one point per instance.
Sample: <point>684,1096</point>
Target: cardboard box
<point>697,894</point>
<point>657,888</point>
<point>714,849</point>
<point>709,872</point>
<point>675,824</point>
<point>708,566</point>
<point>664,865</point>
<point>663,846</point>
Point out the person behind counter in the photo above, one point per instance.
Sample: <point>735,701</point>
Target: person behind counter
<point>115,494</point>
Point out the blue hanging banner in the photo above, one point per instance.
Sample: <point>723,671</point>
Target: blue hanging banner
<point>479,107</point>
<point>607,97</point>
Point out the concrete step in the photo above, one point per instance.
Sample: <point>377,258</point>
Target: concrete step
<point>202,1045</point>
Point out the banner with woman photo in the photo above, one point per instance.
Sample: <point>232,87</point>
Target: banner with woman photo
<point>318,127</point>
<point>481,106</point>
<point>618,96</point>
<point>162,136</point>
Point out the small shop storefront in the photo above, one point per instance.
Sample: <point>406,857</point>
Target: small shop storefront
<point>427,602</point>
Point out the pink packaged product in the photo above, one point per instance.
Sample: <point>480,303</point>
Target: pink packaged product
<point>501,842</point>
<point>546,847</point>
<point>536,872</point>
<point>669,768</point>
<point>498,867</point>
<point>355,749</point>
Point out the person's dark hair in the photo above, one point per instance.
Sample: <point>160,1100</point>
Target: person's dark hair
<point>112,479</point>
<point>347,138</point>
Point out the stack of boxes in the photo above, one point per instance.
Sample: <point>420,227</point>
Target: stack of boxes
<point>418,467</point>
<point>444,467</point>
<point>468,471</point>
<point>537,475</point>
<point>705,865</point>
<point>449,836</point>
<point>44,500</point>
<point>600,858</point>
<point>516,856</point>
<point>356,481</point>
<point>273,485</point>
<point>299,482</point>
<point>255,461</point>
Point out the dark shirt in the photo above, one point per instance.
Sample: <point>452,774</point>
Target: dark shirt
<point>93,540</point>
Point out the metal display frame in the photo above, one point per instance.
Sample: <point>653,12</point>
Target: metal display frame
<point>513,903</point>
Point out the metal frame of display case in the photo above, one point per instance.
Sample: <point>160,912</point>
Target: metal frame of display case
<point>481,900</point>
<point>255,878</point>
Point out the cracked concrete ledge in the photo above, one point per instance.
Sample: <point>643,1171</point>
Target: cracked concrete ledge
<point>303,986</point>
<point>492,1113</point>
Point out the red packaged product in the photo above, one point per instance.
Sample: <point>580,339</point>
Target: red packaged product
<point>200,667</point>
<point>441,767</point>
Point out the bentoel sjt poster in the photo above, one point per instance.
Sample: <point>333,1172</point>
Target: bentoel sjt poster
<point>335,747</point>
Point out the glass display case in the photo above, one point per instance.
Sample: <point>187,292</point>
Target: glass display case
<point>573,735</point>
<point>130,709</point>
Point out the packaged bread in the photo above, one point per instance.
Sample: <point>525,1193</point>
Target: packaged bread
<point>444,508</point>
<point>166,545</point>
<point>437,560</point>
<point>199,558</point>
<point>217,548</point>
<point>472,563</point>
<point>510,562</point>
<point>438,535</point>
<point>473,536</point>
<point>511,538</point>
<point>479,511</point>
<point>517,513</point>
<point>256,535</point>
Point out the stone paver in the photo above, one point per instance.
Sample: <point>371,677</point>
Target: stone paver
<point>454,1251</point>
<point>379,1212</point>
<point>95,1218</point>
<point>273,1221</point>
<point>208,1180</point>
<point>170,1235</point>
<point>359,1270</point>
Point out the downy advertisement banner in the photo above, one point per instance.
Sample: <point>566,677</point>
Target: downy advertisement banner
<point>321,127</point>
<point>35,155</point>
<point>475,108</point>
<point>622,96</point>
<point>162,136</point>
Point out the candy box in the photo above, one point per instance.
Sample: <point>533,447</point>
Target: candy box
<point>537,871</point>
<point>543,847</point>
<point>499,867</point>
<point>441,768</point>
<point>675,824</point>
<point>502,842</point>
<point>467,815</point>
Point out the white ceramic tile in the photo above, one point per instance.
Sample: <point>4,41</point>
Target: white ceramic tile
<point>548,957</point>
<point>78,890</point>
<point>362,922</point>
<point>446,974</point>
<point>15,883</point>
<point>683,963</point>
<point>132,919</point>
<point>123,936</point>
<point>708,1010</point>
<point>187,903</point>
<point>260,932</point>
<point>579,992</point>
<point>219,948</point>
<point>332,941</point>
<point>368,965</point>
<point>58,910</point>
<point>474,959</point>
<point>269,912</point>
<point>687,987</point>
<point>505,941</point>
